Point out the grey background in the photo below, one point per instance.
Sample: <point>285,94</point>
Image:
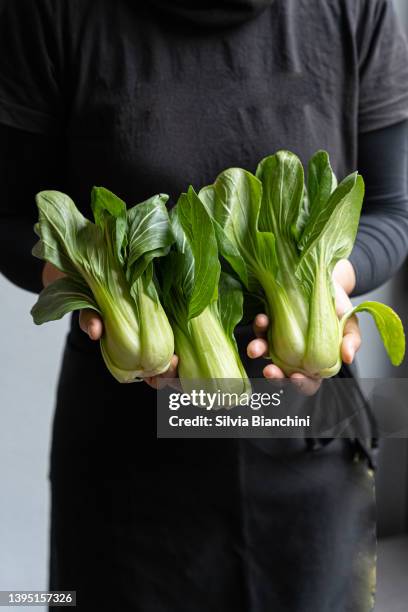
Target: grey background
<point>29,363</point>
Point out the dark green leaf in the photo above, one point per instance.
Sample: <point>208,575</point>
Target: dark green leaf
<point>226,248</point>
<point>63,296</point>
<point>202,274</point>
<point>321,181</point>
<point>337,220</point>
<point>110,215</point>
<point>230,303</point>
<point>330,233</point>
<point>282,181</point>
<point>60,228</point>
<point>235,200</point>
<point>149,234</point>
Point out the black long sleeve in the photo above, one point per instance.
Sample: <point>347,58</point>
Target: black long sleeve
<point>382,240</point>
<point>28,164</point>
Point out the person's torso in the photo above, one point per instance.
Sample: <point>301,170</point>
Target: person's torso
<point>156,105</point>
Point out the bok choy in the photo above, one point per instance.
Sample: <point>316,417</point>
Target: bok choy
<point>283,240</point>
<point>109,268</point>
<point>203,305</point>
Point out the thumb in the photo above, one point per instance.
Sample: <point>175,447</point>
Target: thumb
<point>91,323</point>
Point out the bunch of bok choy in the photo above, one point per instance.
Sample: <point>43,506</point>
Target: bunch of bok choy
<point>109,268</point>
<point>203,304</point>
<point>283,240</point>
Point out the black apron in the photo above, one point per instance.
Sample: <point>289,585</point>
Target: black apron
<point>170,525</point>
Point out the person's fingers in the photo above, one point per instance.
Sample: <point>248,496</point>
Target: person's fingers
<point>257,348</point>
<point>272,371</point>
<point>50,274</point>
<point>172,370</point>
<point>351,340</point>
<point>161,380</point>
<point>170,376</point>
<point>151,381</point>
<point>260,325</point>
<point>343,302</point>
<point>305,384</point>
<point>91,323</point>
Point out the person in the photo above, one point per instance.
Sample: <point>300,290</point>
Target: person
<point>151,97</point>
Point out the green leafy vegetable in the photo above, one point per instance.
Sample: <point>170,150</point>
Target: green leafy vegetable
<point>203,305</point>
<point>109,269</point>
<point>389,326</point>
<point>283,241</point>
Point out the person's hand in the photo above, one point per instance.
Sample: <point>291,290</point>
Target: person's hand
<point>89,320</point>
<point>50,274</point>
<point>171,375</point>
<point>344,282</point>
<point>260,348</point>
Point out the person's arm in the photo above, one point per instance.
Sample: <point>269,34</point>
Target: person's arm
<point>33,112</point>
<point>28,164</point>
<point>382,240</point>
